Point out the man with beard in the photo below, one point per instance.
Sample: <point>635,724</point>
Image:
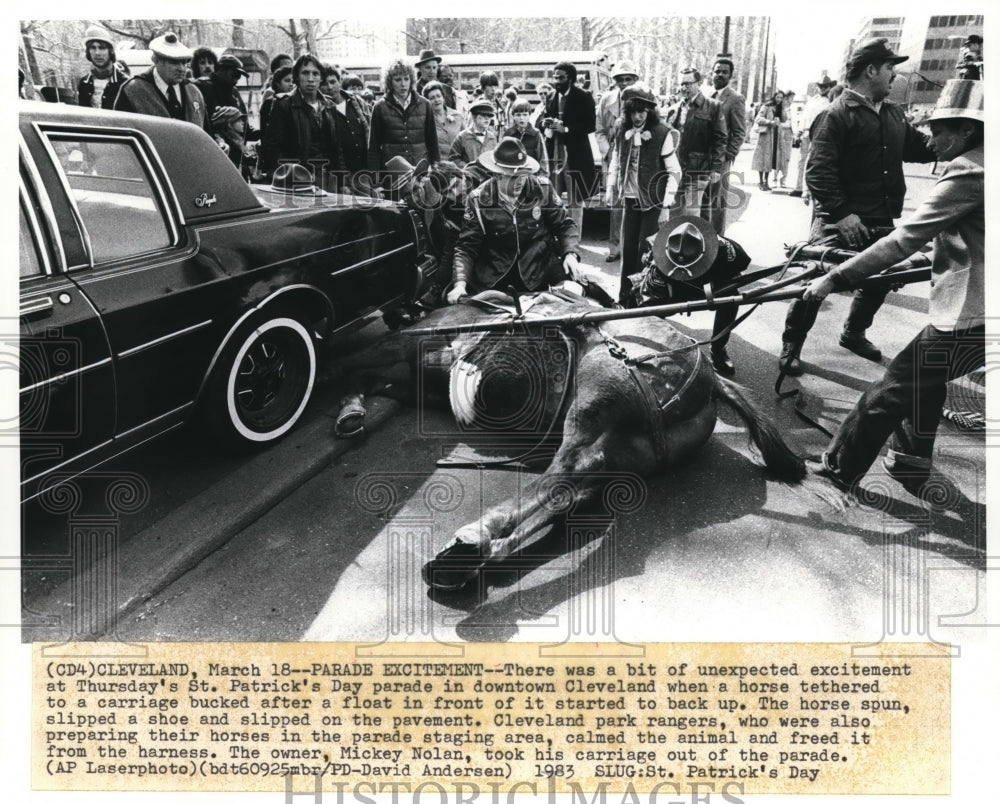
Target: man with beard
<point>734,112</point>
<point>100,87</point>
<point>570,119</point>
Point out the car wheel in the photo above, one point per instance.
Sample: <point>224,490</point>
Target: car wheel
<point>264,382</point>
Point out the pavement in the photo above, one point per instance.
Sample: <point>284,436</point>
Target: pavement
<point>329,543</point>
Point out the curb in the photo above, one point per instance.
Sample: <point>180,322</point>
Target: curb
<point>163,552</point>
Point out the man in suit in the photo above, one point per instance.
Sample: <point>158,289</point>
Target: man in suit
<point>570,119</point>
<point>734,111</point>
<point>163,90</point>
<point>703,142</point>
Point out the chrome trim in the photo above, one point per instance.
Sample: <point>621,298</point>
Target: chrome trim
<point>35,226</point>
<point>39,306</point>
<point>157,341</point>
<point>154,419</point>
<point>66,374</point>
<point>143,148</point>
<point>59,466</point>
<point>68,192</point>
<point>43,202</point>
<point>370,260</point>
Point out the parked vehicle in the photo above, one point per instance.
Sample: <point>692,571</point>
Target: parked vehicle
<point>156,286</point>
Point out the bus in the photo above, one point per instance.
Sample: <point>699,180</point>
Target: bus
<point>523,70</point>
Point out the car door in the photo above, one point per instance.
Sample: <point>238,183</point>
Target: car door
<point>154,298</point>
<point>67,394</point>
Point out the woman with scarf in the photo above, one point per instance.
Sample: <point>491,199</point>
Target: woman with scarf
<point>645,172</point>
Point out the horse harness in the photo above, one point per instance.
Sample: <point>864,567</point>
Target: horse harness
<point>657,403</point>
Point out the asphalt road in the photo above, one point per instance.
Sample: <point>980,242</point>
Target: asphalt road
<point>324,539</point>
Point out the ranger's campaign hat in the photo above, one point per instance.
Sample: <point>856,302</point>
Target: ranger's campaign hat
<point>873,51</point>
<point>640,94</point>
<point>685,248</point>
<point>170,47</point>
<point>509,157</point>
<point>624,67</point>
<point>482,107</point>
<point>960,97</point>
<point>426,56</point>
<point>231,62</point>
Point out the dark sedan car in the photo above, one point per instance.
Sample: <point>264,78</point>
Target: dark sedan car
<point>156,283</point>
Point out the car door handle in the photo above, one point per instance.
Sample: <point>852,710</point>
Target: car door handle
<point>37,308</point>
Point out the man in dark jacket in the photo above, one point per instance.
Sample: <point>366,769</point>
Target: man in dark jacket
<point>702,147</point>
<point>301,128</point>
<point>570,119</point>
<point>219,91</point>
<point>427,65</point>
<point>99,88</point>
<point>515,231</point>
<point>163,91</point>
<point>855,177</point>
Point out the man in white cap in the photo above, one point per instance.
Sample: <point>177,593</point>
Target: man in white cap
<point>904,407</point>
<point>99,88</point>
<point>609,116</point>
<point>163,90</point>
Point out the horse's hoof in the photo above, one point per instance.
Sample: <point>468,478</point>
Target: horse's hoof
<point>455,567</point>
<point>351,421</point>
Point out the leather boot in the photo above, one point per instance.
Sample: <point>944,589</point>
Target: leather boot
<point>788,361</point>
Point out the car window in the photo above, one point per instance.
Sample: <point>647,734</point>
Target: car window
<point>115,196</point>
<point>30,264</point>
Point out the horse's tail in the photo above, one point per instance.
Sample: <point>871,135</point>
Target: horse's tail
<point>777,455</point>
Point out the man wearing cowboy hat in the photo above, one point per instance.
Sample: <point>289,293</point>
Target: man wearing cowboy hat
<point>162,90</point>
<point>99,88</point>
<point>855,179</point>
<point>609,114</point>
<point>684,256</point>
<point>515,231</point>
<point>224,104</point>
<point>479,137</point>
<point>904,407</point>
<point>427,65</point>
<point>816,104</point>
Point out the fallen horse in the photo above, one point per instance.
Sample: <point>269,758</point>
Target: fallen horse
<point>632,395</point>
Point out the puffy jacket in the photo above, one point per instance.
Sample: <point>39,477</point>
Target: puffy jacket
<point>395,131</point>
<point>534,239</point>
<point>856,159</point>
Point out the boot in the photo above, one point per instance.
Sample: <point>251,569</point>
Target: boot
<point>857,342</point>
<point>721,361</point>
<point>788,361</point>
